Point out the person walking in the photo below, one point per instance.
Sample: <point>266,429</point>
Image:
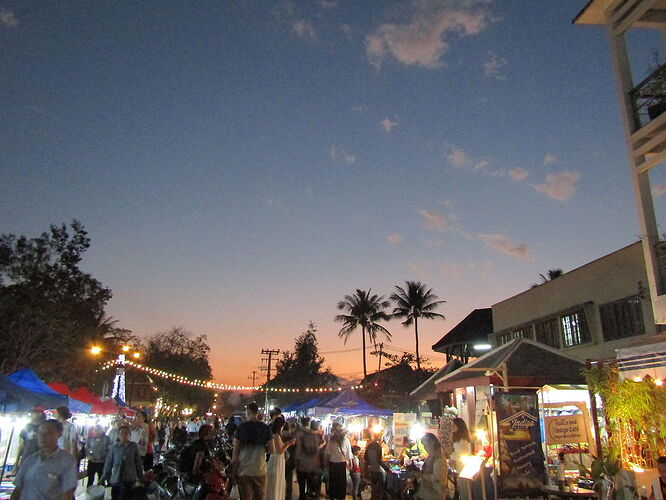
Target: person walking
<point>290,459</point>
<point>139,434</point>
<point>356,473</point>
<point>69,440</point>
<point>376,468</point>
<point>338,456</point>
<point>252,440</point>
<point>433,474</point>
<point>123,467</point>
<point>49,473</point>
<point>308,462</point>
<point>97,448</point>
<point>28,442</point>
<point>276,481</point>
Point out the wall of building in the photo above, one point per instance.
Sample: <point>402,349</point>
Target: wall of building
<point>607,279</point>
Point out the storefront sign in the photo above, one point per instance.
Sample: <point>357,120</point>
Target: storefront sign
<point>522,471</point>
<point>566,429</point>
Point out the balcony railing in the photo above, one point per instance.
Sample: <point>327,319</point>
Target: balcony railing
<point>649,97</point>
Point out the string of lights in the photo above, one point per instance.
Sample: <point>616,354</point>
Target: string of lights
<point>207,384</point>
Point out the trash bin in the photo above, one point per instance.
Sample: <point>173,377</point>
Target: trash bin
<point>95,492</point>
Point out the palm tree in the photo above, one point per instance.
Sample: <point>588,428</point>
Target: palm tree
<point>414,302</point>
<point>549,276</point>
<point>365,310</point>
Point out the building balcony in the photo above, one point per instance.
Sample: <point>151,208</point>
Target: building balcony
<point>649,97</point>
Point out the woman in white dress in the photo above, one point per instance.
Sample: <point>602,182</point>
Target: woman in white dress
<point>276,482</point>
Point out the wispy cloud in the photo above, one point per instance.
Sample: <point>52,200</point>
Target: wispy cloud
<point>8,19</point>
<point>518,174</point>
<point>549,158</point>
<point>394,238</point>
<point>388,124</point>
<point>458,158</point>
<point>338,153</point>
<point>501,243</point>
<point>421,39</point>
<point>493,67</point>
<point>481,165</point>
<point>560,186</point>
<point>450,270</point>
<point>327,4</point>
<point>304,29</point>
<point>434,221</point>
<point>421,268</point>
<point>482,269</point>
<point>359,109</point>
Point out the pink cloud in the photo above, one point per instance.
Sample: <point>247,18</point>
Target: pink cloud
<point>394,238</point>
<point>560,186</point>
<point>518,174</point>
<point>500,243</point>
<point>433,220</point>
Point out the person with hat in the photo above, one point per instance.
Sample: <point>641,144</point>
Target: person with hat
<point>28,443</point>
<point>50,472</point>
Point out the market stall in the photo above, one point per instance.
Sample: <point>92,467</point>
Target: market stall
<point>505,396</point>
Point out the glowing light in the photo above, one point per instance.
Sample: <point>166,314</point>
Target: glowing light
<point>637,468</point>
<point>136,355</point>
<point>355,428</point>
<point>416,432</point>
<point>126,348</point>
<point>95,350</point>
<point>638,379</point>
<point>659,382</point>
<point>377,429</point>
<point>482,347</point>
<point>481,435</point>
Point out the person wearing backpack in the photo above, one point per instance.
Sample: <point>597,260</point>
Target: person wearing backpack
<point>308,463</point>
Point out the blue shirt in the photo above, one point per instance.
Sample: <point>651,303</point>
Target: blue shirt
<point>42,478</point>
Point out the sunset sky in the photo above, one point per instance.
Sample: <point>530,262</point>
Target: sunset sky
<point>242,165</point>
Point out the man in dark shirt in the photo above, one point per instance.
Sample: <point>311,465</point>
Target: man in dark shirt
<point>376,467</point>
<point>252,440</point>
<point>28,437</point>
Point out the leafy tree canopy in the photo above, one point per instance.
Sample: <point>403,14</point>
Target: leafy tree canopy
<point>50,310</point>
<point>303,367</point>
<point>181,352</point>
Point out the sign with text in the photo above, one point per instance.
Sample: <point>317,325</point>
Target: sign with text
<point>522,471</point>
<point>566,429</point>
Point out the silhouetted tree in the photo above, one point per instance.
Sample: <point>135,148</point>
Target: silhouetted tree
<point>364,310</point>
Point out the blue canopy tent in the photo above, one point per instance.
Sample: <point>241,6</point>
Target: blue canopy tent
<point>14,398</point>
<point>29,380</point>
<point>348,402</point>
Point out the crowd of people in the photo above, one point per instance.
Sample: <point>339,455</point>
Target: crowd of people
<point>268,458</point>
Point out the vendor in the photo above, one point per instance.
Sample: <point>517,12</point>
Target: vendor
<point>411,450</point>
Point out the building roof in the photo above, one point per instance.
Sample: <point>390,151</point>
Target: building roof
<point>524,359</point>
<point>427,389</point>
<point>594,12</point>
<point>474,328</point>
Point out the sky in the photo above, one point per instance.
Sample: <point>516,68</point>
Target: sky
<point>241,166</point>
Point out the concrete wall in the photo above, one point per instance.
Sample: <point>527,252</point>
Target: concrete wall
<point>607,279</point>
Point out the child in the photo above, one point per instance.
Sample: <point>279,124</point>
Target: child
<point>356,473</point>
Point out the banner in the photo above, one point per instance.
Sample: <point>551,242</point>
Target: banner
<point>566,429</point>
<point>522,471</point>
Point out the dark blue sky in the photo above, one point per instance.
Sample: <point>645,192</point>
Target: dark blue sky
<point>241,166</point>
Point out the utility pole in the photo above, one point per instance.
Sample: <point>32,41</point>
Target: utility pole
<point>254,378</point>
<point>269,364</point>
<point>381,352</point>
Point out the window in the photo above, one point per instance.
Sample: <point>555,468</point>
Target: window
<point>622,318</point>
<point>547,332</point>
<point>574,329</point>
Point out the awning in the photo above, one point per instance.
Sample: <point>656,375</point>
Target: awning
<point>98,406</point>
<point>29,380</point>
<point>642,360</point>
<point>14,398</point>
<point>348,402</point>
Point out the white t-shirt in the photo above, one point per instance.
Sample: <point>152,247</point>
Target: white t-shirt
<point>338,452</point>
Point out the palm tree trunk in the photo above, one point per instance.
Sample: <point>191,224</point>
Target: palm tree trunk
<point>416,332</point>
<point>365,370</point>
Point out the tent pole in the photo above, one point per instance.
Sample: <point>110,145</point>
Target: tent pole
<point>9,445</point>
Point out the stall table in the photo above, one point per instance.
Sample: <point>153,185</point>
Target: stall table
<point>568,493</point>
